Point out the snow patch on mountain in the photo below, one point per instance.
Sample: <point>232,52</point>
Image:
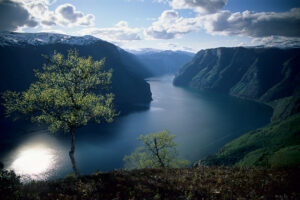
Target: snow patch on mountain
<point>11,38</point>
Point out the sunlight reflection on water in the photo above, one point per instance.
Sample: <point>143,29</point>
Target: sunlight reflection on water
<point>34,162</point>
<point>38,158</point>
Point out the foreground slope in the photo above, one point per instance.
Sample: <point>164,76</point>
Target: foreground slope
<point>193,183</point>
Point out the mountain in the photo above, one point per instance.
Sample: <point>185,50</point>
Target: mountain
<point>144,50</point>
<point>268,75</point>
<point>131,61</point>
<point>11,38</point>
<point>21,53</point>
<point>162,62</point>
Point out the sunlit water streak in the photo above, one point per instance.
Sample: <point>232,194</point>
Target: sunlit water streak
<point>34,162</point>
<point>37,158</point>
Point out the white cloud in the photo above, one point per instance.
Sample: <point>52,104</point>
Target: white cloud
<point>277,41</point>
<point>14,16</point>
<point>69,16</point>
<point>161,1</point>
<point>201,6</point>
<point>54,31</point>
<point>65,15</point>
<point>121,32</point>
<point>175,47</point>
<point>40,11</point>
<point>265,28</point>
<point>170,25</point>
<point>262,24</point>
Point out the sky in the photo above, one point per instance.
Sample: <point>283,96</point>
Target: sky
<point>189,25</point>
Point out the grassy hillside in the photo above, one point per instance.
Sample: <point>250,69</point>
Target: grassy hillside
<point>193,183</point>
<point>275,145</point>
<point>286,107</point>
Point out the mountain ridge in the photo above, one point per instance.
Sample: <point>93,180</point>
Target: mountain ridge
<point>13,38</point>
<point>261,74</point>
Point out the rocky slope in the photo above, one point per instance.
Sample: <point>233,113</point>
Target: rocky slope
<point>264,74</point>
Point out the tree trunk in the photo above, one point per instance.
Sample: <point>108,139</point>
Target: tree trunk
<point>162,165</point>
<point>71,153</point>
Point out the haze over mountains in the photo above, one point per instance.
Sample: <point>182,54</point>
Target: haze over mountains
<point>160,62</point>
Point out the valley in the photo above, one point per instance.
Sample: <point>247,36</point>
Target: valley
<point>150,99</point>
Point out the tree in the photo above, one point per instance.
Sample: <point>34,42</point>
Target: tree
<point>66,96</point>
<point>158,151</point>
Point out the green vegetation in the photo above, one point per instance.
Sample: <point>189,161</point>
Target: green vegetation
<point>275,145</point>
<point>194,183</point>
<point>64,96</point>
<point>158,151</point>
<point>285,107</point>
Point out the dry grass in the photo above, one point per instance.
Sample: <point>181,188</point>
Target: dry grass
<point>192,183</point>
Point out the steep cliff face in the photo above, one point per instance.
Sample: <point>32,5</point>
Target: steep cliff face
<point>18,61</point>
<point>263,74</point>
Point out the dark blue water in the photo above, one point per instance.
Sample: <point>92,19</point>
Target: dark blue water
<point>202,122</point>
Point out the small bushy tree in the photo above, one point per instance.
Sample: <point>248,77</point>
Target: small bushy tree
<point>158,151</point>
<point>66,96</point>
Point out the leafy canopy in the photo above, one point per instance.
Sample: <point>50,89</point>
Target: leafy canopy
<point>158,151</point>
<point>66,94</point>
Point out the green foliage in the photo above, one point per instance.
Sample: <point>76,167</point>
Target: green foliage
<point>158,151</point>
<point>65,95</point>
<point>275,145</point>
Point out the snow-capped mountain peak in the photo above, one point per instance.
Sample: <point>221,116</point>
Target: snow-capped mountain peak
<point>11,38</point>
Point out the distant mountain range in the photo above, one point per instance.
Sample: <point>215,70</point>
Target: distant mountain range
<point>21,53</point>
<point>11,38</point>
<point>268,75</point>
<point>160,62</point>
